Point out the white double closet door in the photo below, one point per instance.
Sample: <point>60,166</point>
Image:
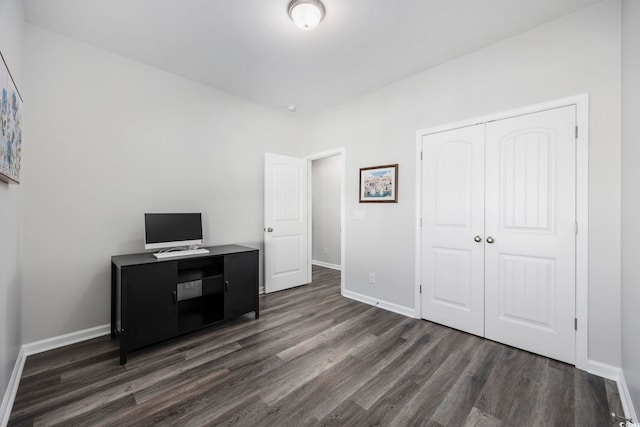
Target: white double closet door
<point>498,231</point>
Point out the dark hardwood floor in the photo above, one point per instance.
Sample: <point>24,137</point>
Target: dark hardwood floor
<point>313,358</point>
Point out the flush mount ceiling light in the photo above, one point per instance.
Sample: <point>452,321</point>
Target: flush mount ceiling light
<point>306,14</point>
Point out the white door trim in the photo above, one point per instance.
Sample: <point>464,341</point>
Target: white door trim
<point>582,206</point>
<point>317,156</point>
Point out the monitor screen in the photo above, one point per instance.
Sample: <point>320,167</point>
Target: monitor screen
<point>163,230</point>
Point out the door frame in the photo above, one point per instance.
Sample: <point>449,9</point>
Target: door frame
<point>582,207</point>
<point>310,158</point>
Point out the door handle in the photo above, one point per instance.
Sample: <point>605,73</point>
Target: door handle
<point>226,286</point>
<point>269,230</point>
<point>175,297</point>
<point>490,240</point>
<point>477,239</point>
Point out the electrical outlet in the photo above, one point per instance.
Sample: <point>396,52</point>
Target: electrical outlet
<point>372,277</point>
<point>325,250</point>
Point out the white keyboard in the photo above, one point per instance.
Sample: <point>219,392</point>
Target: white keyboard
<point>187,252</point>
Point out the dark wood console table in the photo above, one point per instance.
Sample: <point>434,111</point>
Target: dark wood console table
<point>156,299</point>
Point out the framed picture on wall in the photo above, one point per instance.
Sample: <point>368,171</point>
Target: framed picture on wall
<point>11,123</point>
<point>379,184</point>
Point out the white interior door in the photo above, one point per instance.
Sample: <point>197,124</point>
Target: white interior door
<point>530,232</point>
<point>452,215</point>
<point>285,222</point>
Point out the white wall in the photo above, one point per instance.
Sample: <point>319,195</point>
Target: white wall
<point>575,54</point>
<point>631,197</point>
<point>110,139</point>
<point>11,29</point>
<point>326,174</point>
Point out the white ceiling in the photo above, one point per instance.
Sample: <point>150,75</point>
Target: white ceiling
<point>250,47</point>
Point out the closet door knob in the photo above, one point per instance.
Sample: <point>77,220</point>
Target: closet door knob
<point>477,239</point>
<point>490,240</point>
<point>270,229</point>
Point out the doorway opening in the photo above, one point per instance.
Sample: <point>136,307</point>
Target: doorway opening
<point>326,211</point>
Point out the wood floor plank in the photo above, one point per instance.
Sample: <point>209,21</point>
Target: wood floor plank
<point>59,399</point>
<point>120,390</point>
<point>377,385</point>
<point>613,397</point>
<point>506,384</point>
<point>286,379</point>
<point>477,418</point>
<point>328,336</point>
<point>390,404</point>
<point>526,383</point>
<point>313,358</point>
<point>463,394</point>
<point>591,406</point>
<point>326,390</point>
<point>346,414</point>
<point>329,390</point>
<point>555,394</point>
<point>430,395</point>
<point>98,417</point>
<point>155,399</point>
<point>250,412</point>
<point>59,358</point>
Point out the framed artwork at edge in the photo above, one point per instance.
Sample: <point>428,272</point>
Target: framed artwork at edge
<point>379,184</point>
<point>11,123</point>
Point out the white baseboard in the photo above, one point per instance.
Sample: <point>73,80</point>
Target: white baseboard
<point>66,339</point>
<point>12,388</point>
<point>39,347</point>
<point>327,265</point>
<point>405,311</point>
<point>616,374</point>
<point>603,370</point>
<point>625,398</point>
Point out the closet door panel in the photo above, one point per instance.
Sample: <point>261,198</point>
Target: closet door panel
<point>530,220</point>
<point>452,214</point>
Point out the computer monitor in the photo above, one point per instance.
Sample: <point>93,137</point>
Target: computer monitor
<point>170,230</point>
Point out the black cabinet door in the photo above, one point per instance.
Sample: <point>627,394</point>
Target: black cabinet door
<point>151,306</point>
<point>241,284</point>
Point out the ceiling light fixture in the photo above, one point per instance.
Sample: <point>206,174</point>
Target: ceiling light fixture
<point>306,14</point>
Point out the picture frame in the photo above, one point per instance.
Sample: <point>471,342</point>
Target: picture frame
<point>10,126</point>
<point>379,184</point>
